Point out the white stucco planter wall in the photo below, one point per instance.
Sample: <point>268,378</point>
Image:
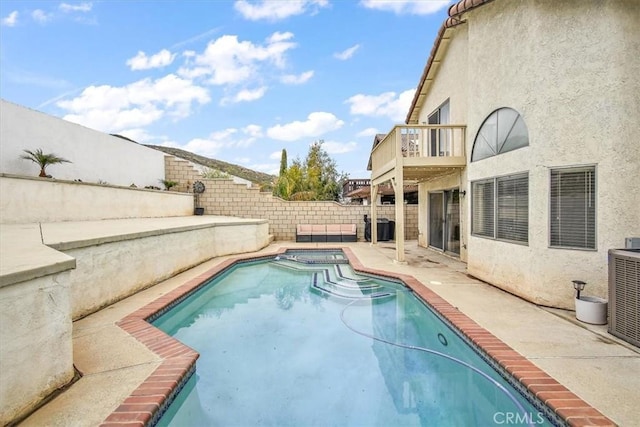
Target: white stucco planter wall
<point>26,199</point>
<point>35,335</point>
<point>110,271</point>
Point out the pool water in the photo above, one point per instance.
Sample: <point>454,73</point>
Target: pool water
<point>296,341</point>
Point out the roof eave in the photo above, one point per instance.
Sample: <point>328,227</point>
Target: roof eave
<point>437,52</point>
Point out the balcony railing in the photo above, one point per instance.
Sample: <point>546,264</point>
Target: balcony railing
<point>428,146</point>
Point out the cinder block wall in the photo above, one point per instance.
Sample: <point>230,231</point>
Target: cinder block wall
<point>224,197</point>
<point>182,172</point>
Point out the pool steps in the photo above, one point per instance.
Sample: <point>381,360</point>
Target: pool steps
<point>337,282</point>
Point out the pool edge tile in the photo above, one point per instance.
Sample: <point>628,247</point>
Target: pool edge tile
<point>179,361</point>
<point>524,371</point>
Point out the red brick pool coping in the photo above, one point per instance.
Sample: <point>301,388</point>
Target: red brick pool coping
<point>147,402</point>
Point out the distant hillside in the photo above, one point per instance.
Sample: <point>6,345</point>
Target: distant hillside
<point>235,170</point>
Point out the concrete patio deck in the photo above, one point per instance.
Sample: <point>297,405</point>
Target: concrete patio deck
<point>596,366</point>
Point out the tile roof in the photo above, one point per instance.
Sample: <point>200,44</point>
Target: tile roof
<point>455,11</point>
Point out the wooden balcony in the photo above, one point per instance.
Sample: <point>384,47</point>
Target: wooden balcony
<point>422,152</point>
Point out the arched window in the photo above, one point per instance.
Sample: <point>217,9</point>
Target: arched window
<point>504,130</point>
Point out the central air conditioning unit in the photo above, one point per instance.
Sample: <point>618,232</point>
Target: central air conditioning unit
<point>624,294</point>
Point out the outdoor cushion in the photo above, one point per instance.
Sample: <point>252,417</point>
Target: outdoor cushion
<point>334,229</point>
<point>303,229</point>
<point>347,229</point>
<point>318,229</point>
<point>303,233</point>
<point>318,233</point>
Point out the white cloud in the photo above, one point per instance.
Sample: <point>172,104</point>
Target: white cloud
<point>81,7</point>
<point>254,131</point>
<point>276,155</point>
<point>347,53</point>
<point>292,79</point>
<point>368,132</point>
<point>277,10</point>
<point>11,19</point>
<point>411,7</point>
<point>111,109</point>
<point>143,62</point>
<point>41,16</point>
<point>218,141</point>
<point>279,37</point>
<point>138,135</point>
<point>245,95</point>
<point>229,61</point>
<point>270,168</point>
<point>317,124</point>
<point>386,104</point>
<point>333,147</point>
<point>204,147</point>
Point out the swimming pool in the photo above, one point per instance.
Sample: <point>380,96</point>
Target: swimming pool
<point>301,339</point>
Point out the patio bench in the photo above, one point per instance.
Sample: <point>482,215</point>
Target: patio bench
<point>326,233</point>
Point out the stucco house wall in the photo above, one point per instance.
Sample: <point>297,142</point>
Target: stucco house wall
<point>95,156</point>
<point>451,84</point>
<point>567,68</point>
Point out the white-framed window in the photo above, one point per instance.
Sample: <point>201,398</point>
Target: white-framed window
<point>483,208</point>
<point>572,208</point>
<point>503,130</point>
<point>500,208</point>
<point>440,140</point>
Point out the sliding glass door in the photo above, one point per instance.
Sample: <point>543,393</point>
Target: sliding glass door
<point>436,220</point>
<point>444,220</point>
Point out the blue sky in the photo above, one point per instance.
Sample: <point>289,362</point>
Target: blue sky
<point>232,80</point>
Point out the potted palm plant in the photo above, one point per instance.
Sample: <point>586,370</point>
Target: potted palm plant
<point>43,160</point>
<point>168,185</point>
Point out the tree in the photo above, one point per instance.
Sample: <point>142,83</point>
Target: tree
<point>283,162</point>
<point>43,160</point>
<point>322,174</point>
<point>290,181</point>
<point>314,179</point>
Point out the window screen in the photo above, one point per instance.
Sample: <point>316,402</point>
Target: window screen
<point>482,208</point>
<point>573,208</point>
<point>500,208</point>
<point>513,208</point>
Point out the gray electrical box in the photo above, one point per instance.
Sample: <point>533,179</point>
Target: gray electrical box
<point>632,243</point>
